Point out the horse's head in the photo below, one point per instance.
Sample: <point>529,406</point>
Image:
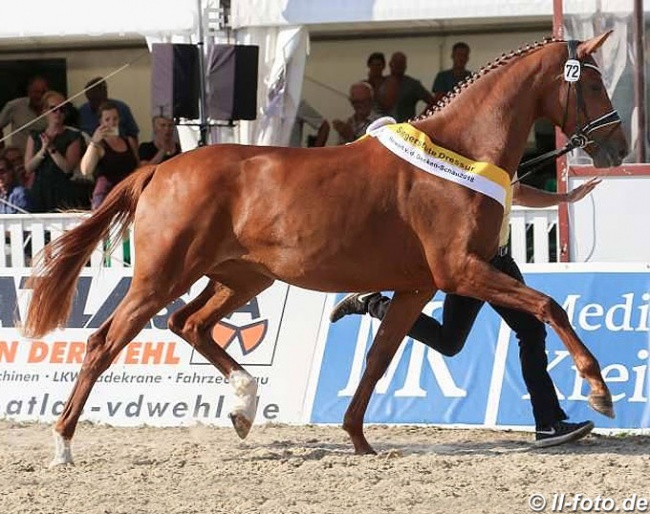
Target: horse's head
<point>583,109</point>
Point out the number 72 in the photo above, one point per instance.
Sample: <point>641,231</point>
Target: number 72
<point>572,70</point>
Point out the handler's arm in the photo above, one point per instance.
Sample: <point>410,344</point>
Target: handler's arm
<point>533,197</point>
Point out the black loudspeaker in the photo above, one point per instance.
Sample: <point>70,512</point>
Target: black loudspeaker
<point>232,82</point>
<point>175,77</point>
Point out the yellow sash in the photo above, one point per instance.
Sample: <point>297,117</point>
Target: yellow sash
<point>416,147</point>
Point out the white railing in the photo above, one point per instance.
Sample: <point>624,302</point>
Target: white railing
<point>27,234</point>
<point>533,237</point>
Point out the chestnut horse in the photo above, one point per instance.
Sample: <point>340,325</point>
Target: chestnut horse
<point>346,218</point>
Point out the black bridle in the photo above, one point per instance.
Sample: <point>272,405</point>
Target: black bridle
<point>582,136</point>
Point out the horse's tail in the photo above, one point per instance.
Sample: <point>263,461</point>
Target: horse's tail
<point>59,264</point>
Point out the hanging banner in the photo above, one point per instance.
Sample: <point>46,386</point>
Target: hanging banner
<point>158,379</point>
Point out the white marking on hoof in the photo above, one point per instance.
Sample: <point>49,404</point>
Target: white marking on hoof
<point>245,404</point>
<point>62,451</point>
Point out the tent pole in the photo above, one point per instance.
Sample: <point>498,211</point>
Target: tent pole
<point>203,118</point>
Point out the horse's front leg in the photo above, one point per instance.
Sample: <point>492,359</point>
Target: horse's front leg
<point>401,314</point>
<point>483,281</point>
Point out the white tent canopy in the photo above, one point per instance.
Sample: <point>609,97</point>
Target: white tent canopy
<point>164,18</point>
<point>79,18</point>
<point>255,13</point>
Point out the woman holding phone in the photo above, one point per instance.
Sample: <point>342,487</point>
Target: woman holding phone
<point>109,156</point>
<point>51,157</point>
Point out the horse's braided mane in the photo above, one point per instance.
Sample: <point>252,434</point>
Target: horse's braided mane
<point>504,59</point>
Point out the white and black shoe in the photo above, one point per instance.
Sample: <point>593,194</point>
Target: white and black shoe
<point>353,303</point>
<point>561,432</point>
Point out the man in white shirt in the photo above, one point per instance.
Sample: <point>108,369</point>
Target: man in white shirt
<point>21,111</point>
<point>361,99</point>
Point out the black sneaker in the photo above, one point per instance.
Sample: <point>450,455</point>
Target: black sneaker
<point>562,432</point>
<point>353,303</point>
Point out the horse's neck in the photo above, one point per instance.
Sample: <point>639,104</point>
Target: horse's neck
<point>490,120</point>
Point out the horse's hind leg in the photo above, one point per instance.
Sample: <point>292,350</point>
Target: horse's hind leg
<point>143,300</point>
<point>93,363</point>
<point>195,321</point>
<point>481,280</point>
<point>401,314</point>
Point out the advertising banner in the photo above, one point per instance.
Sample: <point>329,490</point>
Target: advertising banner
<point>308,369</point>
<point>158,379</point>
<point>482,385</point>
<point>610,313</point>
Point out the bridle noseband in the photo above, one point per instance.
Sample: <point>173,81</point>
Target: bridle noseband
<point>582,136</point>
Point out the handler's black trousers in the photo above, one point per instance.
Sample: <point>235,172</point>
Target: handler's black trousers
<point>459,314</point>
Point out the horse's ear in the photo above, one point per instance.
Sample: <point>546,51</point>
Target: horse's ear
<point>591,45</point>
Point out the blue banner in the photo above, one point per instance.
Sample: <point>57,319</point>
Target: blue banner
<point>483,385</point>
<point>421,386</point>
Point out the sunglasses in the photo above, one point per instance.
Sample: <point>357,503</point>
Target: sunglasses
<point>55,108</point>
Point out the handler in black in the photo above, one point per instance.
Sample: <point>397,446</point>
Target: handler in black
<point>459,314</point>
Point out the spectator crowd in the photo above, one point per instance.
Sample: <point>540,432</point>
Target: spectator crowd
<point>62,157</point>
<point>395,94</point>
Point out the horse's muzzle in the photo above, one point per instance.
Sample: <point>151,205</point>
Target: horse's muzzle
<point>608,153</point>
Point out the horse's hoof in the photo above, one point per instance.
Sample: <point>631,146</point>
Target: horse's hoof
<point>602,403</point>
<point>365,450</point>
<point>61,461</point>
<point>361,446</point>
<point>241,424</point>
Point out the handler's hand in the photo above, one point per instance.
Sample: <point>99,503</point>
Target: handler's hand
<point>581,191</point>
